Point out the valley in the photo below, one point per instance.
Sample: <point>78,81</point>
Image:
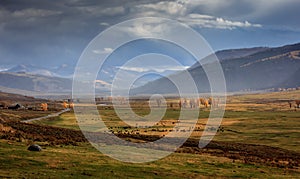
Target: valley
<point>258,137</point>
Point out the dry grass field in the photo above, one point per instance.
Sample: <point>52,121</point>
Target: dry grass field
<point>258,138</point>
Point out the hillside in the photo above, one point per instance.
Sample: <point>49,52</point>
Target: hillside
<point>250,69</point>
<point>233,53</point>
<point>9,97</point>
<point>238,53</point>
<point>30,82</point>
<point>268,68</point>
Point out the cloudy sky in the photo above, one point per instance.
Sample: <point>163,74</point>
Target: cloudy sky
<point>55,32</point>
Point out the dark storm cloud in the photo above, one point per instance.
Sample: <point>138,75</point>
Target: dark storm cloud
<point>38,32</point>
<point>55,32</point>
<point>44,32</point>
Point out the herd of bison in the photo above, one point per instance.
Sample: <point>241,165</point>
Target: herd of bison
<point>247,153</point>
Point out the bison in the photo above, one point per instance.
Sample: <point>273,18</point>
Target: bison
<point>297,103</point>
<point>15,107</point>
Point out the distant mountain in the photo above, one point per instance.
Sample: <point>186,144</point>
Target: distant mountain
<point>16,98</point>
<point>256,69</point>
<point>31,82</point>
<point>31,69</point>
<point>238,53</point>
<point>244,69</point>
<point>290,82</point>
<point>231,54</point>
<point>64,70</point>
<point>105,77</point>
<point>108,73</point>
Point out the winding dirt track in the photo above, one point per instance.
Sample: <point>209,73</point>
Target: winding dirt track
<point>46,117</point>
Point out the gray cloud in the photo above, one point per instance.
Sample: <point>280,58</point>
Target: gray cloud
<point>275,14</point>
<point>205,21</point>
<point>52,32</point>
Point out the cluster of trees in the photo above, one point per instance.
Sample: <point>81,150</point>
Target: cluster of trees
<point>44,107</point>
<point>297,103</point>
<point>196,103</point>
<point>35,106</point>
<point>68,105</point>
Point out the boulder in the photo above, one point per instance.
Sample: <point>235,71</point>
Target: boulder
<point>34,147</point>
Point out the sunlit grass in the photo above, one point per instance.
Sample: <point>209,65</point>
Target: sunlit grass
<point>250,119</point>
<point>84,161</point>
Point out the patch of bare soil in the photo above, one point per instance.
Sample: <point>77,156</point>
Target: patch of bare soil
<point>248,153</point>
<point>32,132</point>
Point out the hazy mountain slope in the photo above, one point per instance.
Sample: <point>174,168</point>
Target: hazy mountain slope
<point>232,54</point>
<point>238,53</point>
<point>270,68</point>
<point>31,69</point>
<point>292,80</point>
<point>9,97</point>
<point>264,68</point>
<point>32,82</point>
<point>264,73</point>
<point>64,71</point>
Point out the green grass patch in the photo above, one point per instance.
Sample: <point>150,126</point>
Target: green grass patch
<point>84,161</point>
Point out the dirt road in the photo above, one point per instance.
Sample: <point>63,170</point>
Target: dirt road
<point>46,117</point>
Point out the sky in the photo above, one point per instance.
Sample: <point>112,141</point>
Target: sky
<point>51,33</point>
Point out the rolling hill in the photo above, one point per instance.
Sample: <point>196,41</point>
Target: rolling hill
<point>250,69</point>
<point>16,98</point>
<point>266,68</point>
<point>37,83</point>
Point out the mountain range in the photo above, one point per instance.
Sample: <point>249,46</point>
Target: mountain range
<point>34,82</point>
<point>247,69</point>
<point>244,70</point>
<point>63,70</point>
